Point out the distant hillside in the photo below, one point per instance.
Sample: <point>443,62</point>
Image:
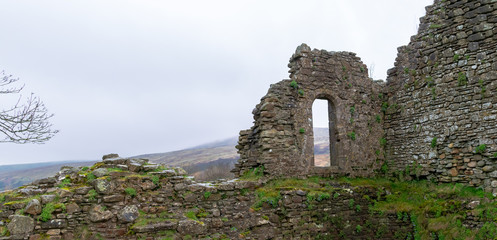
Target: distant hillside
<point>206,162</point>
<point>16,175</point>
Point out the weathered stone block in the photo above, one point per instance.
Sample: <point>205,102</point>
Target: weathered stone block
<point>20,225</point>
<point>33,207</point>
<point>128,214</point>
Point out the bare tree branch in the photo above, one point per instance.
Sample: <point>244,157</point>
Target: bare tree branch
<point>25,122</point>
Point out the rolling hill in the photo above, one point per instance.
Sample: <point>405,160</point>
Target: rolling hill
<point>208,161</point>
<point>13,176</point>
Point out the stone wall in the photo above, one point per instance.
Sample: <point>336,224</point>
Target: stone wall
<point>281,139</point>
<point>97,203</point>
<point>442,106</point>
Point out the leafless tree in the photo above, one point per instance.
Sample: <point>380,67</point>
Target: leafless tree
<point>25,122</point>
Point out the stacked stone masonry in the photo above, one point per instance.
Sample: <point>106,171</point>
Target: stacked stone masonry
<point>166,204</point>
<point>436,118</point>
<point>443,90</point>
<point>281,139</point>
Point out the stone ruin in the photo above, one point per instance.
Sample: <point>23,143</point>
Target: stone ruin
<point>126,198</point>
<point>442,96</point>
<point>434,118</point>
<point>281,139</point>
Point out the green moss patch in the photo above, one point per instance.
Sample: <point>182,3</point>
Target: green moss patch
<point>434,209</point>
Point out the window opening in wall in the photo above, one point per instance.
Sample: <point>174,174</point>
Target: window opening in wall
<point>321,129</point>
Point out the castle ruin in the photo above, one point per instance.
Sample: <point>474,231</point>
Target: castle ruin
<point>437,114</point>
<point>434,118</point>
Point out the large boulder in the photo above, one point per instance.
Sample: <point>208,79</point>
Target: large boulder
<point>72,208</point>
<point>47,198</point>
<point>33,207</point>
<point>100,172</point>
<point>30,191</point>
<point>100,214</point>
<point>128,214</point>
<point>191,227</point>
<point>20,225</point>
<point>110,156</point>
<point>54,224</point>
<point>102,186</point>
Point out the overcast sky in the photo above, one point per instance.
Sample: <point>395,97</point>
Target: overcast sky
<point>145,76</point>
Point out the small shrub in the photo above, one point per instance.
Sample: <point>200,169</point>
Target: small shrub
<point>191,215</point>
<point>244,191</point>
<point>130,191</point>
<point>384,168</point>
<point>253,174</point>
<point>434,142</point>
<point>358,208</point>
<point>294,84</point>
<point>61,206</point>
<point>336,195</point>
<point>358,228</point>
<point>384,106</point>
<point>383,142</point>
<point>46,212</point>
<point>301,92</point>
<point>456,57</point>
<point>481,148</point>
<point>64,183</point>
<point>302,130</point>
<point>90,177</point>
<point>4,231</point>
<point>85,168</point>
<point>378,119</point>
<point>207,194</point>
<point>494,156</point>
<point>351,203</point>
<point>92,194</point>
<point>352,110</point>
<point>462,79</point>
<point>351,135</point>
<point>323,196</point>
<point>156,179</point>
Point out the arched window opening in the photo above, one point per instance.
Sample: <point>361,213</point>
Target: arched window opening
<point>323,121</point>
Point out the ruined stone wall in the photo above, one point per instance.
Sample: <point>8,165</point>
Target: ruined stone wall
<point>165,204</point>
<point>442,106</point>
<point>281,139</point>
